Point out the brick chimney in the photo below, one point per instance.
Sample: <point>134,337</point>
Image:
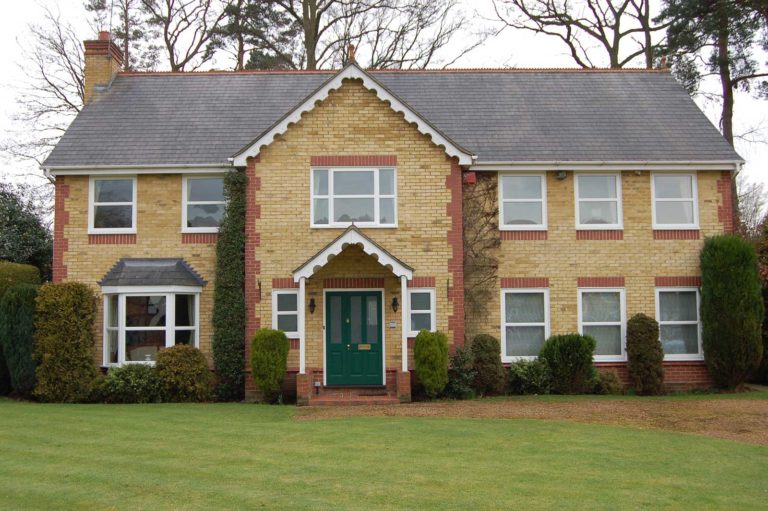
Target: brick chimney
<point>103,60</point>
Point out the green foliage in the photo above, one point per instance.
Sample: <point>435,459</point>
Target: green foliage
<point>529,377</point>
<point>430,361</point>
<point>486,361</point>
<point>132,383</point>
<point>184,375</point>
<point>731,310</point>
<point>229,293</point>
<point>64,319</point>
<point>24,237</point>
<point>461,375</point>
<point>12,274</point>
<point>269,361</point>
<point>17,329</point>
<point>608,383</point>
<point>645,355</point>
<point>569,358</point>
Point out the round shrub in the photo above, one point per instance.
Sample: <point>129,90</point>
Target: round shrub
<point>184,375</point>
<point>569,358</point>
<point>64,317</point>
<point>132,383</point>
<point>17,329</point>
<point>486,361</point>
<point>645,355</point>
<point>269,361</point>
<point>529,377</point>
<point>731,309</point>
<point>430,361</point>
<point>608,383</point>
<point>12,274</point>
<point>461,375</point>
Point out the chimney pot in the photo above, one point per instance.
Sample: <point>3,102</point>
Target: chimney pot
<point>351,54</point>
<point>103,35</point>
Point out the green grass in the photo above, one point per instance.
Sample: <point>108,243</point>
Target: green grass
<point>231,456</point>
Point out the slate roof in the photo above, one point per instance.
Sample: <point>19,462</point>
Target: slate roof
<point>152,272</point>
<point>500,116</point>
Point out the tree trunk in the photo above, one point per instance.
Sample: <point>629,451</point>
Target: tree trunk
<point>726,117</point>
<point>309,8</point>
<point>127,31</point>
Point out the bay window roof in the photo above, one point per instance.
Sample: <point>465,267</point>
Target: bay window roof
<point>152,272</point>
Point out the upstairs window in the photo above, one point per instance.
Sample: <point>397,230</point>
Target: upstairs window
<point>203,204</point>
<point>675,203</point>
<point>523,202</point>
<point>598,201</point>
<point>112,205</point>
<point>363,196</point>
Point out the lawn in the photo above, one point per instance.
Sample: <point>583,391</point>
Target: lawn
<point>234,456</point>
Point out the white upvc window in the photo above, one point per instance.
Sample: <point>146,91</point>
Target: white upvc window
<point>523,201</point>
<point>138,325</point>
<point>364,196</point>
<point>285,312</point>
<point>524,323</point>
<point>202,203</point>
<point>421,312</point>
<point>602,316</point>
<point>598,201</point>
<point>677,311</point>
<point>112,205</point>
<point>675,201</point>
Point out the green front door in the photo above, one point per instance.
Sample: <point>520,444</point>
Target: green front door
<point>353,335</point>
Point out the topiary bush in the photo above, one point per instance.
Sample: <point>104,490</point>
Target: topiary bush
<point>486,361</point>
<point>645,355</point>
<point>731,309</point>
<point>529,377</point>
<point>184,375</point>
<point>132,383</point>
<point>461,375</point>
<point>430,361</point>
<point>269,361</point>
<point>569,358</point>
<point>64,317</point>
<point>607,383</point>
<point>17,330</point>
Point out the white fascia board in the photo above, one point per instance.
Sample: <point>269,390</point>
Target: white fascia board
<point>606,166</point>
<point>106,170</point>
<point>145,290</point>
<point>353,72</point>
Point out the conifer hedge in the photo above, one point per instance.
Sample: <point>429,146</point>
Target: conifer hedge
<point>12,274</point>
<point>269,362</point>
<point>17,328</point>
<point>430,361</point>
<point>645,355</point>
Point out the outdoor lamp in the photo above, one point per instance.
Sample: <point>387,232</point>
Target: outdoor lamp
<point>395,305</point>
<point>312,305</point>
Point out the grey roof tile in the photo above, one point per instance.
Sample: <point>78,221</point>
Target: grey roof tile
<point>152,272</point>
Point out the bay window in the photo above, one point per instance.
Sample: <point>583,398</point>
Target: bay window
<point>601,316</point>
<point>598,201</point>
<point>363,196</point>
<point>675,201</point>
<point>203,203</point>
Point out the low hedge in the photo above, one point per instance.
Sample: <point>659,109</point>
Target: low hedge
<point>184,375</point>
<point>269,361</point>
<point>645,355</point>
<point>569,358</point>
<point>17,329</point>
<point>529,377</point>
<point>486,361</point>
<point>132,383</point>
<point>461,375</point>
<point>430,361</point>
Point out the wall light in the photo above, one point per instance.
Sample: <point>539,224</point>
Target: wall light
<point>312,305</point>
<point>395,304</point>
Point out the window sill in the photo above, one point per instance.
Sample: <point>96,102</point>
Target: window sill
<point>684,358</point>
<point>609,359</point>
<point>111,231</point>
<point>345,226</point>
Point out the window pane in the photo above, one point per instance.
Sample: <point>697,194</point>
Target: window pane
<point>597,213</point>
<point>524,341</point>
<point>112,346</point>
<point>679,339</point>
<point>386,182</point>
<point>321,211</point>
<point>353,183</point>
<point>356,317</point>
<point>521,187</point>
<point>185,310</point>
<point>522,213</point>
<point>287,302</point>
<point>387,211</point>
<point>372,323</point>
<point>142,346</point>
<point>113,217</point>
<point>678,306</point>
<point>112,311</point>
<point>421,302</point>
<point>145,311</point>
<point>608,339</point>
<point>206,189</point>
<point>334,326</point>
<point>524,308</point>
<point>421,321</point>
<point>599,307</point>
<point>185,337</point>
<point>353,210</point>
<point>674,212</point>
<point>206,215</point>
<point>288,322</point>
<point>673,187</point>
<point>320,182</point>
<point>597,187</point>
<point>113,190</point>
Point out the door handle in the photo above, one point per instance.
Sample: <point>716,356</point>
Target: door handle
<point>348,346</point>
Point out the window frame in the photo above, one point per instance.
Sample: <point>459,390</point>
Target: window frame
<point>276,313</point>
<point>185,202</point>
<point>92,205</point>
<point>432,309</point>
<point>694,199</point>
<point>622,305</point>
<point>330,197</point>
<point>687,356</point>
<point>543,200</point>
<point>619,203</point>
<point>504,324</point>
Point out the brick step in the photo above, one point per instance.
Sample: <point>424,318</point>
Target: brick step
<point>353,401</point>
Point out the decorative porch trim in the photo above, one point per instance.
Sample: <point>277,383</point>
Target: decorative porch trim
<point>354,283</point>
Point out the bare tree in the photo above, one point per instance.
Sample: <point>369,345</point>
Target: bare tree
<point>753,200</point>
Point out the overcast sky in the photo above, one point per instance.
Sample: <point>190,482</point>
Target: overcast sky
<point>509,49</point>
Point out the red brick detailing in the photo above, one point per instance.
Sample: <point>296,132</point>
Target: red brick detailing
<point>252,266</point>
<point>257,183</point>
<point>111,239</point>
<point>470,178</point>
<point>524,282</point>
<point>690,234</point>
<point>600,281</point>
<point>354,283</point>
<point>285,283</point>
<point>104,48</point>
<point>255,212</point>
<point>60,221</point>
<point>725,209</point>
<point>209,238</point>
<point>354,161</point>
<point>523,235</point>
<point>683,375</point>
<point>678,281</point>
<point>600,235</point>
<point>422,282</point>
<point>294,344</point>
<point>456,262</point>
<point>403,383</point>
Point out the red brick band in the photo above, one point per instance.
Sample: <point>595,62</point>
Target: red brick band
<point>294,344</point>
<point>208,238</point>
<point>60,221</point>
<point>689,281</point>
<point>111,239</point>
<point>354,161</point>
<point>252,266</point>
<point>422,282</point>
<point>354,283</point>
<point>524,282</point>
<point>284,283</point>
<point>454,209</point>
<point>600,281</point>
<point>680,234</point>
<point>600,235</point>
<point>523,235</point>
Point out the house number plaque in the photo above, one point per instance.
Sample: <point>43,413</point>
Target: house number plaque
<point>363,347</point>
